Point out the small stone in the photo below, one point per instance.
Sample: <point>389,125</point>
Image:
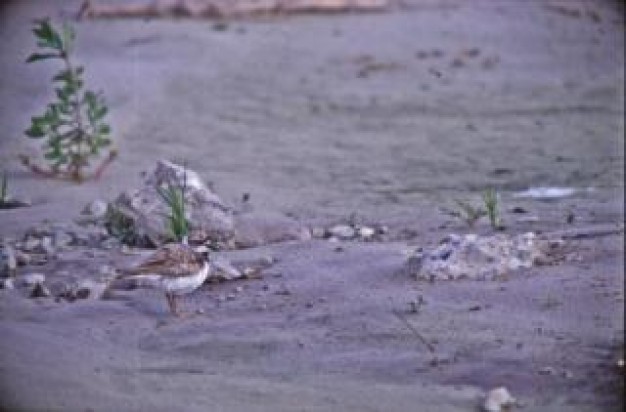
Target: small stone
<point>498,400</point>
<point>268,260</point>
<point>7,284</point>
<point>39,291</point>
<point>11,258</point>
<point>567,374</point>
<point>47,246</point>
<point>231,296</point>
<point>342,231</point>
<point>97,208</point>
<point>318,232</point>
<point>238,289</point>
<point>89,289</point>
<point>366,232</point>
<point>32,279</point>
<point>31,244</point>
<point>547,370</point>
<point>62,239</point>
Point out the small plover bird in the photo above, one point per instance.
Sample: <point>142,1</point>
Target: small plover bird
<point>178,269</point>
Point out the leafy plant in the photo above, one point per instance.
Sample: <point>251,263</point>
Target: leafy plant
<point>490,200</point>
<point>174,198</point>
<point>73,125</point>
<point>4,189</point>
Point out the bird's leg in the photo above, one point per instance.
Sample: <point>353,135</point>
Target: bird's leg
<point>171,301</point>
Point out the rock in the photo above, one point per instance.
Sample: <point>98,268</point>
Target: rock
<point>498,400</point>
<point>475,257</point>
<point>31,244</point>
<point>137,216</point>
<point>9,256</point>
<point>39,291</point>
<point>366,232</point>
<point>62,239</point>
<point>262,228</point>
<point>89,289</point>
<point>47,246</point>
<point>318,232</point>
<point>96,209</point>
<point>342,232</point>
<point>222,269</point>
<point>7,284</point>
<point>31,279</point>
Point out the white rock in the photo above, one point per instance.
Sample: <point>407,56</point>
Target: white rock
<point>366,232</point>
<point>31,279</point>
<point>31,243</point>
<point>497,400</point>
<point>7,284</point>
<point>11,258</point>
<point>141,211</point>
<point>96,208</point>
<point>342,231</point>
<point>475,257</point>
<point>318,232</point>
<point>88,289</point>
<point>47,246</point>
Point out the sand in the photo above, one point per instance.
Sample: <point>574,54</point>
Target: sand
<point>389,116</point>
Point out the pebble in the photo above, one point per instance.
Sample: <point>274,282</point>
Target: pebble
<point>31,244</point>
<point>366,232</point>
<point>47,246</point>
<point>343,231</point>
<point>97,208</point>
<point>11,258</point>
<point>32,279</point>
<point>39,291</point>
<point>547,370</point>
<point>497,400</point>
<point>318,232</point>
<point>7,284</point>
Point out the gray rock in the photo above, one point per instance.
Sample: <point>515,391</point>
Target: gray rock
<point>475,257</point>
<point>7,284</point>
<point>39,291</point>
<point>9,258</point>
<point>140,213</point>
<point>31,279</point>
<point>96,209</point>
<point>343,232</point>
<point>88,289</point>
<point>318,232</point>
<point>366,232</point>
<point>257,229</point>
<point>62,239</point>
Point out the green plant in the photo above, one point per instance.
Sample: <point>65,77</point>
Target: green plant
<point>490,200</point>
<point>4,189</point>
<point>174,198</point>
<point>73,125</point>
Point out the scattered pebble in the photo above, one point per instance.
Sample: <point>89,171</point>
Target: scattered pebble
<point>497,400</point>
<point>366,232</point>
<point>547,370</point>
<point>32,279</point>
<point>39,291</point>
<point>342,231</point>
<point>7,284</point>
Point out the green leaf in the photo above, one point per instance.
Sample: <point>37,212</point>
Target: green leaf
<point>48,37</point>
<point>41,56</point>
<point>35,132</point>
<point>68,37</point>
<point>104,129</point>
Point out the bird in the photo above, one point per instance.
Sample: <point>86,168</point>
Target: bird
<point>178,270</point>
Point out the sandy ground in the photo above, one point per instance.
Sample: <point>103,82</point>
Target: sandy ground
<point>389,116</point>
